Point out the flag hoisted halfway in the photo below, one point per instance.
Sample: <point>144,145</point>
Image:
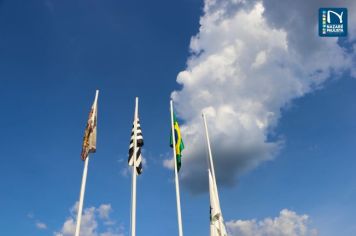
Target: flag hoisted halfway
<point>89,140</point>
<point>139,144</point>
<point>179,142</point>
<point>217,227</point>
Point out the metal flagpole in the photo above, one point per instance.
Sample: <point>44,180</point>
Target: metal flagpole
<point>84,178</point>
<point>81,198</point>
<point>210,155</point>
<point>211,167</point>
<point>180,227</point>
<point>134,174</point>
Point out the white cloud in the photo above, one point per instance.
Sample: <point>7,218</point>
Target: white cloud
<point>41,225</point>
<point>241,73</point>
<point>288,223</point>
<point>168,163</point>
<point>104,211</point>
<point>91,220</point>
<point>30,215</point>
<point>110,234</point>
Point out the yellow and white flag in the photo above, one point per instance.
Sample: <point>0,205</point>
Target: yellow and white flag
<point>89,139</point>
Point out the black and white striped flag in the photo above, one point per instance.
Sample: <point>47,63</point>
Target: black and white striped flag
<point>139,144</point>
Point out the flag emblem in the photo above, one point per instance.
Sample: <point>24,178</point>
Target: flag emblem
<point>89,139</point>
<point>179,142</point>
<point>139,143</point>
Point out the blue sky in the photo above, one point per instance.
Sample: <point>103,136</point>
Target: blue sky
<point>299,156</point>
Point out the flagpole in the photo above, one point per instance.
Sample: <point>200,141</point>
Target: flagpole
<point>84,178</point>
<point>211,167</point>
<point>134,174</point>
<point>179,214</point>
<point>81,198</point>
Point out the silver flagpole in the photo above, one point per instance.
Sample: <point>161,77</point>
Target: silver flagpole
<point>84,179</point>
<point>211,167</point>
<point>179,214</point>
<point>210,155</point>
<point>81,198</point>
<point>134,174</point>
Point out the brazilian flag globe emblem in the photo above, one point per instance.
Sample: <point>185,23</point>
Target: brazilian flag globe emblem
<point>179,142</point>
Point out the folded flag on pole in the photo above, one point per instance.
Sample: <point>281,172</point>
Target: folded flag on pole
<point>217,227</point>
<point>179,142</point>
<point>89,140</point>
<point>139,144</point>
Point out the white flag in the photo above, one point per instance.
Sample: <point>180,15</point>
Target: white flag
<point>217,227</point>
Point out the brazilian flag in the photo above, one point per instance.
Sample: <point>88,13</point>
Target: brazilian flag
<point>179,142</point>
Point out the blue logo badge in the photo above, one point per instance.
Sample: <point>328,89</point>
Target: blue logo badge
<point>332,22</point>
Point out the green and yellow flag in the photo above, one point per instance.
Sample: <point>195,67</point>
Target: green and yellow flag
<point>179,142</point>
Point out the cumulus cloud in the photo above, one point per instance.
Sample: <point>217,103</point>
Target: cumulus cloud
<point>91,220</point>
<point>245,67</point>
<point>288,223</point>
